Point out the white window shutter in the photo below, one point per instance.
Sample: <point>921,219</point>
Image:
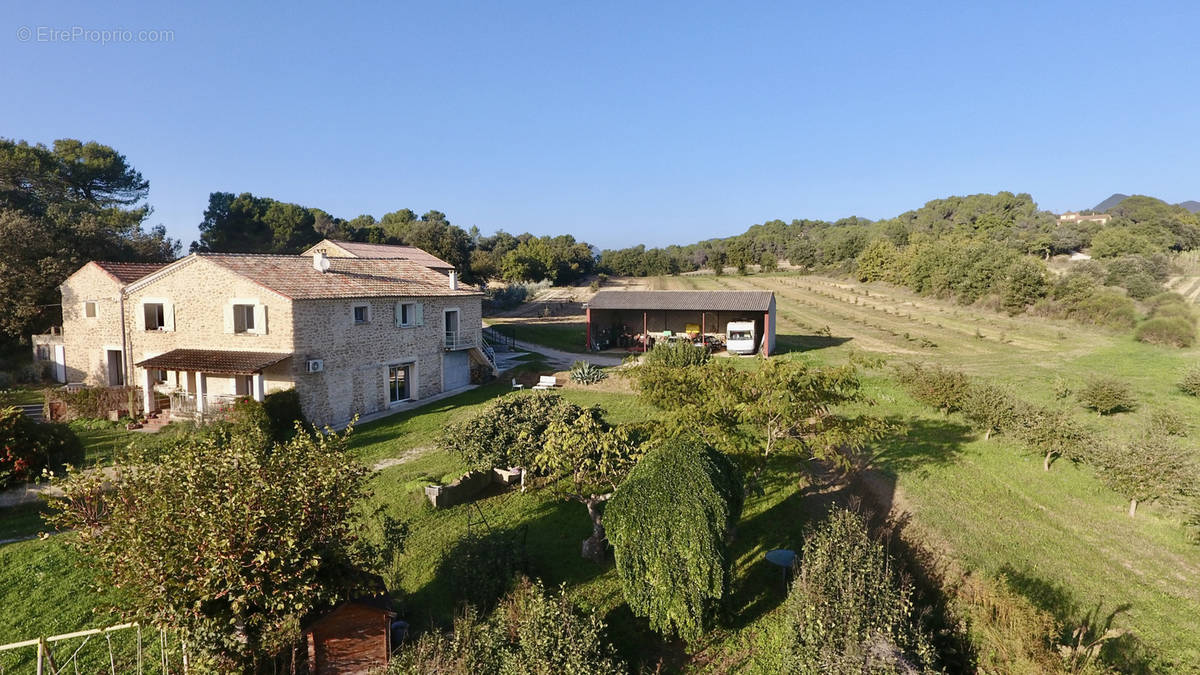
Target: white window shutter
<point>419,319</point>
<point>168,316</point>
<point>141,316</point>
<point>260,319</point>
<point>399,314</point>
<point>229,318</point>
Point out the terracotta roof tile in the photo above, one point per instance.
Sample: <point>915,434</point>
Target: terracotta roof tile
<point>294,277</point>
<point>712,301</point>
<point>364,250</point>
<point>127,272</point>
<point>213,361</point>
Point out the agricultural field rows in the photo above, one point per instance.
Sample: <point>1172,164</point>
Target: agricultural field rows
<point>1059,538</point>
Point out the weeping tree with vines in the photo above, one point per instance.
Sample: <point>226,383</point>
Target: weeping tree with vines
<point>670,522</point>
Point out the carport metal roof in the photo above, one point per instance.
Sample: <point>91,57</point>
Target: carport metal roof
<point>695,301</point>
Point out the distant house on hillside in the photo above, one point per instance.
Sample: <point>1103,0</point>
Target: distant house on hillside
<point>356,249</point>
<point>353,335</point>
<point>1077,217</point>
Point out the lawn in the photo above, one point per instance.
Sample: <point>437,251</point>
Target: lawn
<point>565,335</point>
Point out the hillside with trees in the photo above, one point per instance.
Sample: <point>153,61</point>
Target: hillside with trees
<point>60,207</point>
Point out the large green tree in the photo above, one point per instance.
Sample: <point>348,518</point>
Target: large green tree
<point>60,208</point>
<point>226,537</point>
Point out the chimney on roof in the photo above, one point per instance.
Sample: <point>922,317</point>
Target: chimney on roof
<point>453,280</point>
<point>320,261</point>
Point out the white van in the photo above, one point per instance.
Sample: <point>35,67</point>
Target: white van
<point>740,337</point>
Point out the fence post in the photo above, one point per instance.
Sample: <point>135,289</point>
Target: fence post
<point>41,655</point>
<point>139,649</point>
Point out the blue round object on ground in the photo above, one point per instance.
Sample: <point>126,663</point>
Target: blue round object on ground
<point>782,557</point>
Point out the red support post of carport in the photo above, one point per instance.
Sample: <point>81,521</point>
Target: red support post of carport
<point>645,333</point>
<point>588,346</point>
<point>767,334</point>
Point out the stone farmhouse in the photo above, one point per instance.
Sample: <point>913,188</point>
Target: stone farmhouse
<point>353,332</point>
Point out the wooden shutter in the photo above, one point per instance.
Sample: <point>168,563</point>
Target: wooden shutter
<point>399,313</point>
<point>260,319</point>
<point>229,318</point>
<point>168,316</point>
<point>419,315</point>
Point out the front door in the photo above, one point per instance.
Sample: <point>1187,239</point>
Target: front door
<point>456,370</point>
<point>116,368</point>
<point>399,383</point>
<point>451,328</point>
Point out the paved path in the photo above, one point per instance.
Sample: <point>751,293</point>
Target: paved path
<point>563,360</point>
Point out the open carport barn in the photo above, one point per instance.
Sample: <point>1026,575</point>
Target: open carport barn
<point>611,313</point>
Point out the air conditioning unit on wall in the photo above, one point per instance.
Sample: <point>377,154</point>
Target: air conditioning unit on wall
<point>314,365</point>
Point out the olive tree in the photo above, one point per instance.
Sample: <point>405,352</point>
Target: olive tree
<point>669,522</point>
<point>226,537</point>
<point>1052,432</point>
<point>1151,466</point>
<point>992,408</point>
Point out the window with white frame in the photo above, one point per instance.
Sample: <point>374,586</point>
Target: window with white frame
<point>156,316</point>
<point>89,309</point>
<point>408,314</point>
<point>361,314</point>
<point>243,319</point>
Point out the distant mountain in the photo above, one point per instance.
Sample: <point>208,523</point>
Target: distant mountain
<point>1103,207</point>
<point>1112,201</point>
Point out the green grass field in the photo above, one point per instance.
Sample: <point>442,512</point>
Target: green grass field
<point>564,335</point>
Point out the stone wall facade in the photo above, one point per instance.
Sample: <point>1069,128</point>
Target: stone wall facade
<point>198,297</point>
<point>357,357</point>
<point>87,339</point>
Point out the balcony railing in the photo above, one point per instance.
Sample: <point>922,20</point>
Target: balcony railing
<point>216,406</point>
<point>461,339</point>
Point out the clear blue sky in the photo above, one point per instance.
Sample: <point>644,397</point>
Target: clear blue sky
<point>618,123</point>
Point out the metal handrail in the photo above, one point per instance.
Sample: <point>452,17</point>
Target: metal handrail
<point>459,339</point>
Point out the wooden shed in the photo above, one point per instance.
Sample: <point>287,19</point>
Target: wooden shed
<point>355,637</point>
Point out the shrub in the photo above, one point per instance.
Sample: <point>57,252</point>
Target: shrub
<point>992,408</point>
<point>848,610</point>
<point>508,432</point>
<point>1171,332</point>
<point>583,372</point>
<point>1166,298</point>
<point>1107,395</point>
<point>1168,423</point>
<point>95,402</point>
<point>1174,311</point>
<point>678,354</point>
<point>935,386</point>
<point>27,447</point>
<point>247,417</point>
<point>283,412</point>
<point>1105,307</point>
<point>6,380</point>
<point>1190,382</point>
<point>668,523</point>
<point>532,632</point>
<point>1023,284</point>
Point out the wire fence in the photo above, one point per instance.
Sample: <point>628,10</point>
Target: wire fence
<point>123,648</point>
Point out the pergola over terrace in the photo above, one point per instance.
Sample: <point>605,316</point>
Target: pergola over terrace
<point>198,364</point>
